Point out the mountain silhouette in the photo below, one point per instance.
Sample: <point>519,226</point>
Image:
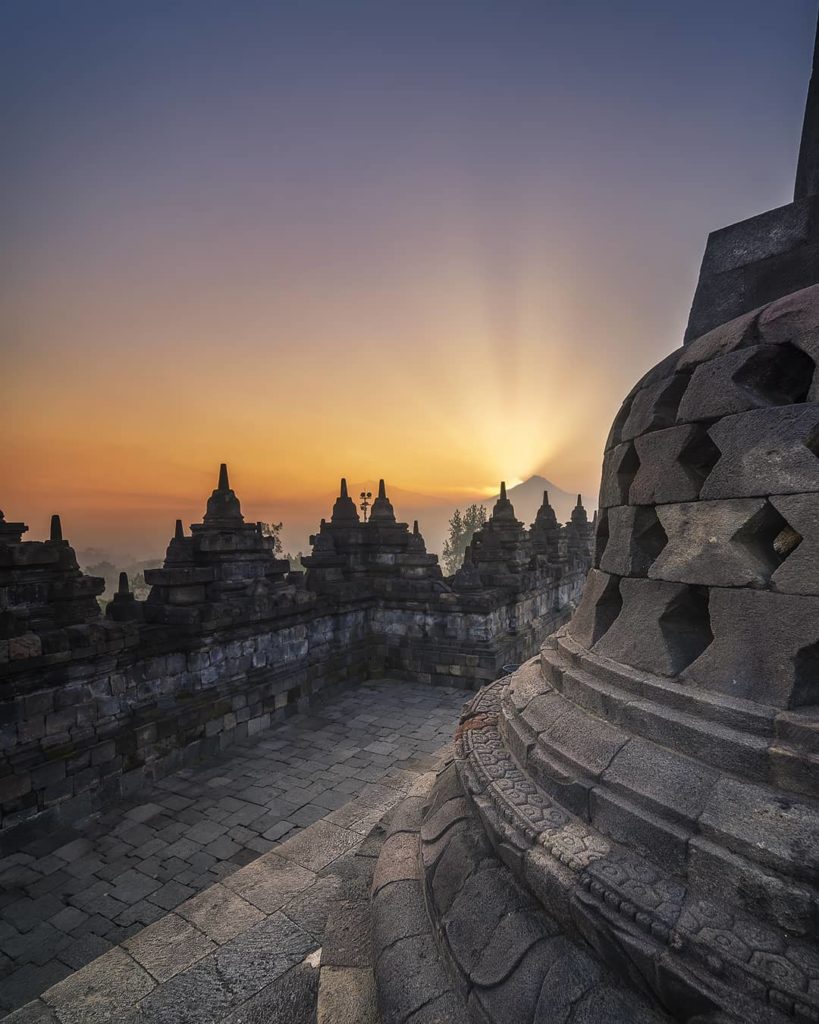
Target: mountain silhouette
<point>433,514</point>
<point>527,497</point>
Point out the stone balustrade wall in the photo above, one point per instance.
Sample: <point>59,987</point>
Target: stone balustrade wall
<point>118,704</point>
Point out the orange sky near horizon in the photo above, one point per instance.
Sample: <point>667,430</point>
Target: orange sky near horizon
<point>435,243</point>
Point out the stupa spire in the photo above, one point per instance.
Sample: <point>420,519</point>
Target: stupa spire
<point>223,508</point>
<point>382,510</point>
<point>807,170</point>
<point>179,532</point>
<point>344,511</point>
<point>56,528</point>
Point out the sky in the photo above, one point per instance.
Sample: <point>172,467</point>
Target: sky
<point>435,241</point>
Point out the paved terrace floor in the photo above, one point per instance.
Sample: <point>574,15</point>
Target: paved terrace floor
<point>68,898</point>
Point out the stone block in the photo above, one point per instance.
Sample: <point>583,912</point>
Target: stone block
<point>635,540</point>
<point>725,338</point>
<point>791,318</point>
<point>102,991</point>
<point>661,628</point>
<point>346,994</point>
<point>765,451</point>
<point>660,779</point>
<point>655,406</point>
<point>167,947</point>
<point>398,861</point>
<point>599,607</point>
<point>347,940</point>
<point>755,822</point>
<point>220,913</point>
<point>672,464</point>
<point>620,468</point>
<point>748,378</point>
<point>12,787</point>
<point>648,835</point>
<point>719,543</point>
<point>759,651</point>
<point>584,742</point>
<point>320,844</point>
<point>721,878</point>
<point>28,645</point>
<point>410,976</point>
<point>269,881</point>
<point>47,774</point>
<point>758,238</point>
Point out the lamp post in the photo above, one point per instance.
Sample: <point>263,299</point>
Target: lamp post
<point>365,503</point>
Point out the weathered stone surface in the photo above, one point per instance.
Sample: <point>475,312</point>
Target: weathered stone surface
<point>269,881</point>
<point>347,936</point>
<point>655,406</point>
<point>100,992</point>
<point>766,451</point>
<point>662,627</point>
<point>763,650</point>
<point>398,861</point>
<point>750,820</point>
<point>718,543</point>
<point>724,338</point>
<point>749,378</point>
<point>621,466</point>
<point>319,845</point>
<point>291,999</point>
<point>36,1012</point>
<point>347,994</point>
<point>798,543</point>
<point>598,608</point>
<point>410,976</point>
<point>168,947</point>
<point>673,464</point>
<point>663,780</point>
<point>219,913</point>
<point>636,539</point>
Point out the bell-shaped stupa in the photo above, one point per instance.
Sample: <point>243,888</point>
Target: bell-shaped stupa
<point>630,829</point>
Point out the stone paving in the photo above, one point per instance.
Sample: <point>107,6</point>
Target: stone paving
<point>66,899</point>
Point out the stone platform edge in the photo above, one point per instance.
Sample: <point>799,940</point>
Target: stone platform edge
<point>239,927</point>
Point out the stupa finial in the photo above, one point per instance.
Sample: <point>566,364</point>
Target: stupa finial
<point>179,531</point>
<point>124,587</point>
<point>224,484</point>
<point>56,528</point>
<point>807,169</point>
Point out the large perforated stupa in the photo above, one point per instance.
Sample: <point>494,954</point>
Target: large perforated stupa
<point>630,829</point>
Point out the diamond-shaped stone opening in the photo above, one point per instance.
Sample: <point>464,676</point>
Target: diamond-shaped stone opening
<point>805,691</point>
<point>699,456</point>
<point>686,627</point>
<point>608,607</point>
<point>626,471</point>
<point>778,375</point>
<point>649,535</point>
<point>665,410</point>
<point>812,442</point>
<point>601,537</point>
<point>769,537</point>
